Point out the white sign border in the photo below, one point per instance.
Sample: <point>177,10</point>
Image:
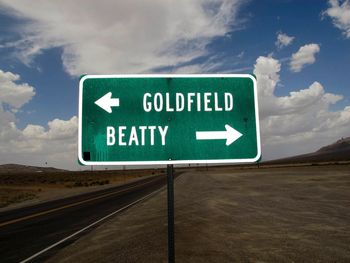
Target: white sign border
<point>216,161</point>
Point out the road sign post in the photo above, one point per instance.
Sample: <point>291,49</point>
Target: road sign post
<point>171,224</point>
<point>168,119</point>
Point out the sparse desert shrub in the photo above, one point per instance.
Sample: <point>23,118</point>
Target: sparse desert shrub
<point>10,196</point>
<point>78,184</point>
<point>10,182</point>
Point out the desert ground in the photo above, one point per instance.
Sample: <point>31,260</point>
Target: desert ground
<point>18,189</point>
<point>291,214</point>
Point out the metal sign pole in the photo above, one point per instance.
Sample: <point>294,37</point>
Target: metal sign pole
<point>171,234</point>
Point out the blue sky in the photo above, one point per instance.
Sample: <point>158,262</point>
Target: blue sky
<point>49,55</point>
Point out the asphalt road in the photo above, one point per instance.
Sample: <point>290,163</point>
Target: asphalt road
<point>225,214</point>
<point>26,231</point>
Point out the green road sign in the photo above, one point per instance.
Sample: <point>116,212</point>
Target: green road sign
<point>168,119</point>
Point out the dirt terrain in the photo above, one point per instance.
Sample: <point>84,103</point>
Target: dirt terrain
<point>298,214</point>
<point>27,187</point>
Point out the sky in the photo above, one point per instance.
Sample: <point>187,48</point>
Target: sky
<point>298,50</point>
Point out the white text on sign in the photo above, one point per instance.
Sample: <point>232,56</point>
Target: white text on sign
<point>137,135</point>
<point>206,101</point>
<point>151,135</point>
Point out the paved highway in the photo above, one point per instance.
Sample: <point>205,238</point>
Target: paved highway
<point>27,231</point>
<point>287,214</point>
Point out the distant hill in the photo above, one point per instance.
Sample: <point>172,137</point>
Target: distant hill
<point>18,168</point>
<point>341,145</point>
<point>338,151</point>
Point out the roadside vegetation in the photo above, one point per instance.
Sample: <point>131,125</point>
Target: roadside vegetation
<point>16,187</point>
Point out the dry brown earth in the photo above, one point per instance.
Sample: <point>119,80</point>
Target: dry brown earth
<point>23,188</point>
<point>299,214</point>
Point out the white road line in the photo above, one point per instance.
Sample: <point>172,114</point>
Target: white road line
<point>68,205</point>
<point>89,226</point>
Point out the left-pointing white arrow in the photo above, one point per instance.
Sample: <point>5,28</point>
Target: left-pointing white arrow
<point>230,135</point>
<point>106,102</point>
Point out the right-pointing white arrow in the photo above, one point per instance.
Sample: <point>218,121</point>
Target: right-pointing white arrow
<point>106,102</point>
<point>230,135</point>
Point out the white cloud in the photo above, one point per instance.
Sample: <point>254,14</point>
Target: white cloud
<point>57,130</point>
<point>283,40</point>
<point>293,124</point>
<point>241,54</point>
<point>190,69</point>
<point>300,122</point>
<point>304,56</point>
<point>121,36</point>
<point>13,94</point>
<point>34,144</point>
<point>211,65</point>
<point>339,12</point>
<point>138,36</point>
